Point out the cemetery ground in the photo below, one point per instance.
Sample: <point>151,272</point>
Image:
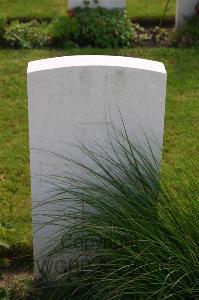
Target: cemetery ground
<point>50,8</point>
<point>180,140</point>
<point>181,147</point>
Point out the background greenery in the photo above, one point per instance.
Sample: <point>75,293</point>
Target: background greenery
<point>50,8</point>
<point>181,126</point>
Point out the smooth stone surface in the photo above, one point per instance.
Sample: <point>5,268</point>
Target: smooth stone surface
<point>184,9</point>
<point>109,4</point>
<point>76,98</point>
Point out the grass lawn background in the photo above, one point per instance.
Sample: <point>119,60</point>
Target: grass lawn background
<point>181,146</point>
<point>50,8</point>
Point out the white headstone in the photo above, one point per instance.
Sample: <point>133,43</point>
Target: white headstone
<point>71,97</point>
<point>109,4</point>
<point>184,9</point>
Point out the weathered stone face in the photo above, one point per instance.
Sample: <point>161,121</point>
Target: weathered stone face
<point>109,4</point>
<point>76,98</point>
<point>184,9</point>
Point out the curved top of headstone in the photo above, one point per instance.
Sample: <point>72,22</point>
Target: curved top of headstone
<point>95,60</point>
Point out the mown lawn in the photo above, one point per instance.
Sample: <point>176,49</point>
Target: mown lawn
<point>150,8</point>
<point>32,8</point>
<point>50,8</point>
<point>181,145</point>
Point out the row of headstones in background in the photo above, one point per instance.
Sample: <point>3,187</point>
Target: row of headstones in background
<point>109,4</point>
<point>75,98</point>
<point>184,9</point>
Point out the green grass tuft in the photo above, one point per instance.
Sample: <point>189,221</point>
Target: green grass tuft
<point>145,231</point>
